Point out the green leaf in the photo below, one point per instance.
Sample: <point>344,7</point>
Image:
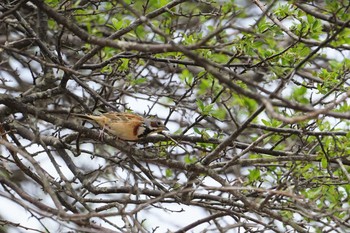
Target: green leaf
<point>219,113</point>
<point>168,173</point>
<point>107,69</point>
<point>254,175</point>
<point>207,109</point>
<point>200,105</point>
<point>125,64</point>
<point>196,130</point>
<point>299,94</point>
<point>117,24</point>
<point>187,77</point>
<point>205,135</point>
<point>324,162</point>
<point>314,193</point>
<point>138,81</point>
<point>189,160</point>
<point>265,122</point>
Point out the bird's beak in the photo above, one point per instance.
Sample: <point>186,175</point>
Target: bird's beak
<point>165,128</point>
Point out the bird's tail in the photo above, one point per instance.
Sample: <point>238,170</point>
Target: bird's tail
<point>83,116</point>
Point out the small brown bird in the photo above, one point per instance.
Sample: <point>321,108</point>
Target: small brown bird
<point>126,126</point>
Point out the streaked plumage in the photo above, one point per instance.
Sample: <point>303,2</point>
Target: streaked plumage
<point>125,126</point>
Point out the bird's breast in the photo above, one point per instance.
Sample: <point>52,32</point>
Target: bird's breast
<point>124,131</point>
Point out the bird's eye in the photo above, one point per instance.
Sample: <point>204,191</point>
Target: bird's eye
<point>159,123</point>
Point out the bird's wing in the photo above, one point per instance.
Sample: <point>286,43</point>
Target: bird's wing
<point>123,117</point>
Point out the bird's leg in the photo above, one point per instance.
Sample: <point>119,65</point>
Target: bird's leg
<point>102,131</point>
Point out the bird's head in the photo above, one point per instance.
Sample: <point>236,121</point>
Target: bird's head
<point>150,126</point>
<point>155,125</point>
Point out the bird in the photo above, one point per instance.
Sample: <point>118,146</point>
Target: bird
<point>125,126</point>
